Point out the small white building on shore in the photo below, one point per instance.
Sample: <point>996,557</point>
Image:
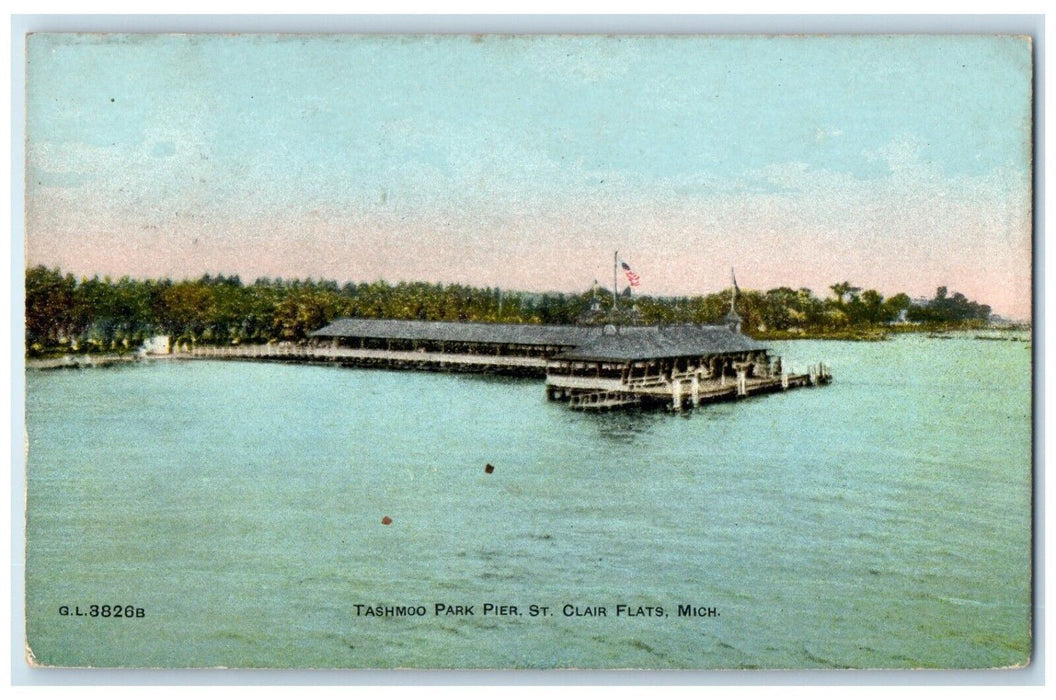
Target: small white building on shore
<point>157,345</point>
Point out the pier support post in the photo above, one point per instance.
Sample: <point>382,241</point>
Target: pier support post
<point>694,388</point>
<point>676,394</point>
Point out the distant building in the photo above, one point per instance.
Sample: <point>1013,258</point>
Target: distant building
<point>157,345</point>
<point>902,319</point>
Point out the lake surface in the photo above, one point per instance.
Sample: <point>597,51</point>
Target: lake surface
<point>883,521</point>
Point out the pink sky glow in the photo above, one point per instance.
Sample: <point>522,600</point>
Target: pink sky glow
<point>911,240</point>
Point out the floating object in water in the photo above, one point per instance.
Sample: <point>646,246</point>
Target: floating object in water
<point>386,520</point>
<point>489,469</point>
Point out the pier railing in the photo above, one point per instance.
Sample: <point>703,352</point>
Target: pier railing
<point>600,400</point>
<point>682,389</point>
<point>331,354</point>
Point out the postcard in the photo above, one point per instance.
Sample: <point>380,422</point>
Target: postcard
<point>528,351</point>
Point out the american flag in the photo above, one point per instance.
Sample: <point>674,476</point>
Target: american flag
<point>634,279</point>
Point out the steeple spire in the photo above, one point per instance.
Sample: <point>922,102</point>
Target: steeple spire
<point>733,321</point>
<point>733,294</point>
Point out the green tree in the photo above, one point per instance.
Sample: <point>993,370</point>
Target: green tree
<point>894,306</point>
<point>50,318</point>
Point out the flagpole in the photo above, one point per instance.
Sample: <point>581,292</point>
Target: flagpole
<point>615,255</point>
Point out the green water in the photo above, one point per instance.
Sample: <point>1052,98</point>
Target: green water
<point>880,522</point>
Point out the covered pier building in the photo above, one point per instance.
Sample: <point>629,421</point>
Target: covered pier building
<point>588,367</point>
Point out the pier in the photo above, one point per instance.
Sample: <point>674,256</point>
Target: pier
<point>582,385</point>
<point>590,368</point>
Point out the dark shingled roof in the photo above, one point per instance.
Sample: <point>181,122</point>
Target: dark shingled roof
<point>649,342</point>
<point>585,342</point>
<point>448,331</point>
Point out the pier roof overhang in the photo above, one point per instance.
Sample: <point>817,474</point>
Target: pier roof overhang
<point>460,332</point>
<point>652,342</point>
<point>587,343</point>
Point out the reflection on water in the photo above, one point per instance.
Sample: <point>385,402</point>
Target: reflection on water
<point>623,426</point>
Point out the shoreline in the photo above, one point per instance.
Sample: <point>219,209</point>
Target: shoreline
<point>89,360</point>
<point>83,360</point>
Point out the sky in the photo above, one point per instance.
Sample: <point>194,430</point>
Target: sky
<point>899,163</point>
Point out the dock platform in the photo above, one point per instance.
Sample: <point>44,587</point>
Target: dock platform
<point>677,395</point>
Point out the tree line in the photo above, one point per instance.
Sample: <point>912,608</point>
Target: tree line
<point>64,313</point>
